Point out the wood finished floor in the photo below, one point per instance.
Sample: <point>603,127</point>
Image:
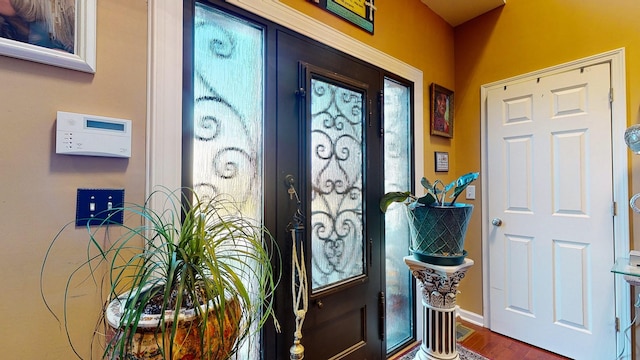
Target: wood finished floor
<point>499,347</point>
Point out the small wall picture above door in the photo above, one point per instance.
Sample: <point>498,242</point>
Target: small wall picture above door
<point>357,12</point>
<point>441,111</point>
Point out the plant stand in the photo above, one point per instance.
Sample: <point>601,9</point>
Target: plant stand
<point>439,290</point>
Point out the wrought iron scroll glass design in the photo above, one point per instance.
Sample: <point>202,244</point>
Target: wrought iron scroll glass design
<point>337,238</point>
<point>397,177</point>
<point>228,128</point>
<point>228,70</point>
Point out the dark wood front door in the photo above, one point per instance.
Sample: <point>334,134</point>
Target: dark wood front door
<point>329,149</point>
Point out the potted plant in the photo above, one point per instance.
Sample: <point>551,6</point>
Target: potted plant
<point>191,281</point>
<point>438,227</point>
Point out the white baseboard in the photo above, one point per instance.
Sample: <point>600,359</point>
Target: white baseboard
<point>469,316</point>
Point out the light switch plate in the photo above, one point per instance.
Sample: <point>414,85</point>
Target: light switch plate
<point>96,206</point>
<point>471,192</point>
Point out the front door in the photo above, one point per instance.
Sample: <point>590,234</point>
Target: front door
<point>329,150</point>
<point>550,192</point>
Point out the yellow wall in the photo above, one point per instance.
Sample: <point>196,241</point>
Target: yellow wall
<point>38,187</point>
<point>525,36</point>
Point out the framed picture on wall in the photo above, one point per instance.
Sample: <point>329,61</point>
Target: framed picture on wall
<point>441,111</point>
<point>54,32</point>
<point>357,12</point>
<point>441,161</point>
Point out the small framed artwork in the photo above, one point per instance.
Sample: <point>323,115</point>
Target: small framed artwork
<point>442,161</point>
<point>63,35</point>
<point>357,12</point>
<point>441,111</point>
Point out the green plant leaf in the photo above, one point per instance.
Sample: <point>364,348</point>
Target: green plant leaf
<point>391,197</point>
<point>449,187</point>
<point>194,251</point>
<point>427,199</point>
<point>436,192</point>
<point>426,184</point>
<point>462,182</point>
<point>466,179</point>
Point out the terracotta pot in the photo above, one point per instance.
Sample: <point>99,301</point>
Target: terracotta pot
<point>148,341</point>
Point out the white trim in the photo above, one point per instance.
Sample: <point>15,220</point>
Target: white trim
<point>469,316</point>
<point>620,176</point>
<point>164,108</point>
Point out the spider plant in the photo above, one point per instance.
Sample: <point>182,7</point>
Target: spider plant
<point>195,267</point>
<point>435,195</point>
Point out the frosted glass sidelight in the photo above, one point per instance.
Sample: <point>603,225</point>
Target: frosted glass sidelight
<point>397,177</point>
<point>227,128</point>
<point>337,238</point>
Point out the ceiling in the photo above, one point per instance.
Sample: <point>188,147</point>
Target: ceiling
<point>456,12</point>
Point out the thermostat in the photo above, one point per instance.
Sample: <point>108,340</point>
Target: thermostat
<point>89,135</point>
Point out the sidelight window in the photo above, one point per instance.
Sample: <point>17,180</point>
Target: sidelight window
<point>397,170</point>
<point>227,152</point>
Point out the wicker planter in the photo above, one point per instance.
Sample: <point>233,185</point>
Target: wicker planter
<point>438,233</point>
<point>148,340</point>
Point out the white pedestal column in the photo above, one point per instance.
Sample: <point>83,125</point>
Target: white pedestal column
<point>439,290</point>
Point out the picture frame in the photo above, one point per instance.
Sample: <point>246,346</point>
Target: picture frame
<point>82,56</point>
<point>441,108</point>
<point>358,12</point>
<point>441,161</point>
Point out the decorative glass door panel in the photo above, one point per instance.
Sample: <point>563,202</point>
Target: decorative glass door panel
<point>329,140</point>
<point>227,130</point>
<point>337,235</point>
<point>397,168</point>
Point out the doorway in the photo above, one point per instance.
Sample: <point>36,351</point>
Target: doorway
<point>552,158</point>
<point>253,133</point>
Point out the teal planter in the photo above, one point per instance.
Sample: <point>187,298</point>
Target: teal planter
<point>438,233</point>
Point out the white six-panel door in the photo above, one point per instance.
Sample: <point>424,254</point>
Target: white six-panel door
<point>550,184</point>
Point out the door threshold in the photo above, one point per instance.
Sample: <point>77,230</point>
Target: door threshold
<point>404,351</point>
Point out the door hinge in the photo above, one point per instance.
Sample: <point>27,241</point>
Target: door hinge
<point>614,209</point>
<point>382,309</point>
<point>617,324</point>
<point>370,113</point>
<point>610,95</point>
<point>381,111</point>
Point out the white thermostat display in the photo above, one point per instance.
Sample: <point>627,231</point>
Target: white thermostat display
<point>81,134</point>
